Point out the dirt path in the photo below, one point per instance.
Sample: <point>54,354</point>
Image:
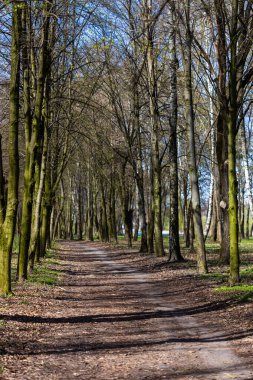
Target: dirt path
<point>108,320</point>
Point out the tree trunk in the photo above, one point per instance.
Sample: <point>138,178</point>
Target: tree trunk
<point>234,276</point>
<point>213,160</point>
<point>242,213</point>
<point>137,162</point>
<point>7,228</point>
<point>189,115</point>
<point>214,222</point>
<point>245,164</point>
<point>103,218</point>
<point>33,135</point>
<point>80,212</point>
<point>47,210</point>
<point>90,210</point>
<point>247,222</point>
<point>185,211</point>
<point>233,206</point>
<point>150,225</point>
<point>154,118</point>
<point>136,216</point>
<point>2,186</point>
<point>27,203</point>
<point>35,233</point>
<point>113,211</point>
<point>174,245</point>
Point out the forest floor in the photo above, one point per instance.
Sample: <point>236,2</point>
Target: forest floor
<point>114,314</point>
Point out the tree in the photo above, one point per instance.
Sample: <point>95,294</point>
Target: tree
<point>186,48</point>
<point>8,217</point>
<point>34,124</point>
<point>174,246</point>
<point>154,131</point>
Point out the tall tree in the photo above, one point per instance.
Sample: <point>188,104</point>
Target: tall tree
<point>34,138</point>
<point>8,219</point>
<point>155,127</point>
<point>186,49</point>
<point>174,246</point>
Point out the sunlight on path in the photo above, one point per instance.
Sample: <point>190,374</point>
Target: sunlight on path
<point>208,351</point>
<point>106,320</point>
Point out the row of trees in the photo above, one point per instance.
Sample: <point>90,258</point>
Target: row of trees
<point>176,82</point>
<point>128,118</point>
<point>39,136</point>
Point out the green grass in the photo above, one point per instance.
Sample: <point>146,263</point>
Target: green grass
<point>246,297</point>
<point>247,273</point>
<point>212,246</point>
<point>43,275</point>
<point>237,288</point>
<point>53,261</point>
<point>50,254</point>
<point>243,292</point>
<point>246,246</point>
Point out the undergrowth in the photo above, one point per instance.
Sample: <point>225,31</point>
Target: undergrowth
<point>43,275</point>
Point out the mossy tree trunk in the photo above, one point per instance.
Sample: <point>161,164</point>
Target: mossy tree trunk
<point>35,232</point>
<point>233,204</point>
<point>222,183</point>
<point>8,221</point>
<point>53,180</point>
<point>234,276</point>
<point>33,136</point>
